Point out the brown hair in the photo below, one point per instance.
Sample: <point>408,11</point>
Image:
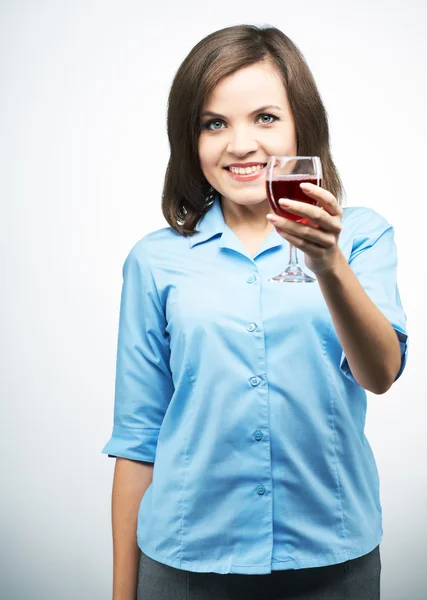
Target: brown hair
<point>220,54</point>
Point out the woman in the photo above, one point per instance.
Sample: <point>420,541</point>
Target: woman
<point>240,404</point>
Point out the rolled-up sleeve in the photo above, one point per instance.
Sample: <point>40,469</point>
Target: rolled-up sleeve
<point>374,261</point>
<point>143,384</point>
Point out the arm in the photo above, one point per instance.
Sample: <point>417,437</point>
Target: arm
<point>367,338</point>
<point>361,295</point>
<point>143,389</point>
<point>131,480</point>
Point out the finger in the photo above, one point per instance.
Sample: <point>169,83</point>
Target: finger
<point>326,199</point>
<point>310,223</point>
<point>315,236</point>
<point>303,232</point>
<point>305,246</point>
<point>314,214</point>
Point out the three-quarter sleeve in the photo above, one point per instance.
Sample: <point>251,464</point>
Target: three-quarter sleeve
<point>374,261</point>
<point>143,385</point>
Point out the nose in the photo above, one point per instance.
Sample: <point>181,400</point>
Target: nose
<point>242,142</point>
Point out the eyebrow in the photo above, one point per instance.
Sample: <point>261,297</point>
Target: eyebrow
<point>209,113</point>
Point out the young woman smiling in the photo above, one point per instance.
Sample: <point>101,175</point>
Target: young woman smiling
<point>243,471</point>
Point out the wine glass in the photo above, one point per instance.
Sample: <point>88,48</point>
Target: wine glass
<point>283,177</point>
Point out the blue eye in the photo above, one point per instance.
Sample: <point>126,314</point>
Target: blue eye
<point>272,117</point>
<point>216,124</point>
<point>213,122</point>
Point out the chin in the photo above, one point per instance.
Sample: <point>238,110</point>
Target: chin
<point>245,197</point>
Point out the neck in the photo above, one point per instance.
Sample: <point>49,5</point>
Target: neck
<point>252,217</point>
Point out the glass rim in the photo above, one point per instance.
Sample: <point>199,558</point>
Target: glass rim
<point>294,157</point>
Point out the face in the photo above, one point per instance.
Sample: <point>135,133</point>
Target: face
<point>245,120</point>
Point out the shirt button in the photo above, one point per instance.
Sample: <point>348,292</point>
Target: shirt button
<point>255,381</point>
<point>261,490</point>
<point>251,327</point>
<point>251,279</point>
<point>258,435</point>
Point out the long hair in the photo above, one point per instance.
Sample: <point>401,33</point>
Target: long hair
<point>217,56</point>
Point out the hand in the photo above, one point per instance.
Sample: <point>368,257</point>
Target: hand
<point>318,236</point>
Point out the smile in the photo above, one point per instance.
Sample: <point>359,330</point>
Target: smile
<point>245,174</point>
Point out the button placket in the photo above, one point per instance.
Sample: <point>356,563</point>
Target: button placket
<point>255,382</point>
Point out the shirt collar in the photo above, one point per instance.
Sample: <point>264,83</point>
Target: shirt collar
<point>212,224</point>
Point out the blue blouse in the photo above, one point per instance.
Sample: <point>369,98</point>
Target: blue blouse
<point>239,392</point>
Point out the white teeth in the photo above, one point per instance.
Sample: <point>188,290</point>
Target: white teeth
<point>246,170</point>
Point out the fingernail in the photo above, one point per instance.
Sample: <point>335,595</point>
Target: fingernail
<point>272,218</point>
<point>284,202</point>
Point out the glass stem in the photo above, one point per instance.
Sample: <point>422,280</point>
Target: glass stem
<point>293,258</point>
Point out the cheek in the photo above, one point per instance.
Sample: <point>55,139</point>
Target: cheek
<point>279,140</point>
<point>293,143</point>
<point>292,148</point>
<point>208,154</point>
<point>204,153</point>
<point>285,142</point>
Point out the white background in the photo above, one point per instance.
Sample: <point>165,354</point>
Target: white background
<point>83,151</point>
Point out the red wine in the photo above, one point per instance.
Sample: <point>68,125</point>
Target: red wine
<point>289,187</point>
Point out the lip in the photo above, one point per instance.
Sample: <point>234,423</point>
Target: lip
<point>244,165</point>
<point>244,178</point>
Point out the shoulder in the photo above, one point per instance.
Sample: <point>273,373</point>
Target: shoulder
<point>360,221</point>
<point>365,229</point>
<point>153,245</point>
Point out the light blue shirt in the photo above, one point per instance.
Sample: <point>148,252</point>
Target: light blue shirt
<point>239,391</point>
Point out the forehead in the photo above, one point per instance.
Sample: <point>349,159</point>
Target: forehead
<point>258,85</point>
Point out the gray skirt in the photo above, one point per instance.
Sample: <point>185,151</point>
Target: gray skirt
<point>357,579</point>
